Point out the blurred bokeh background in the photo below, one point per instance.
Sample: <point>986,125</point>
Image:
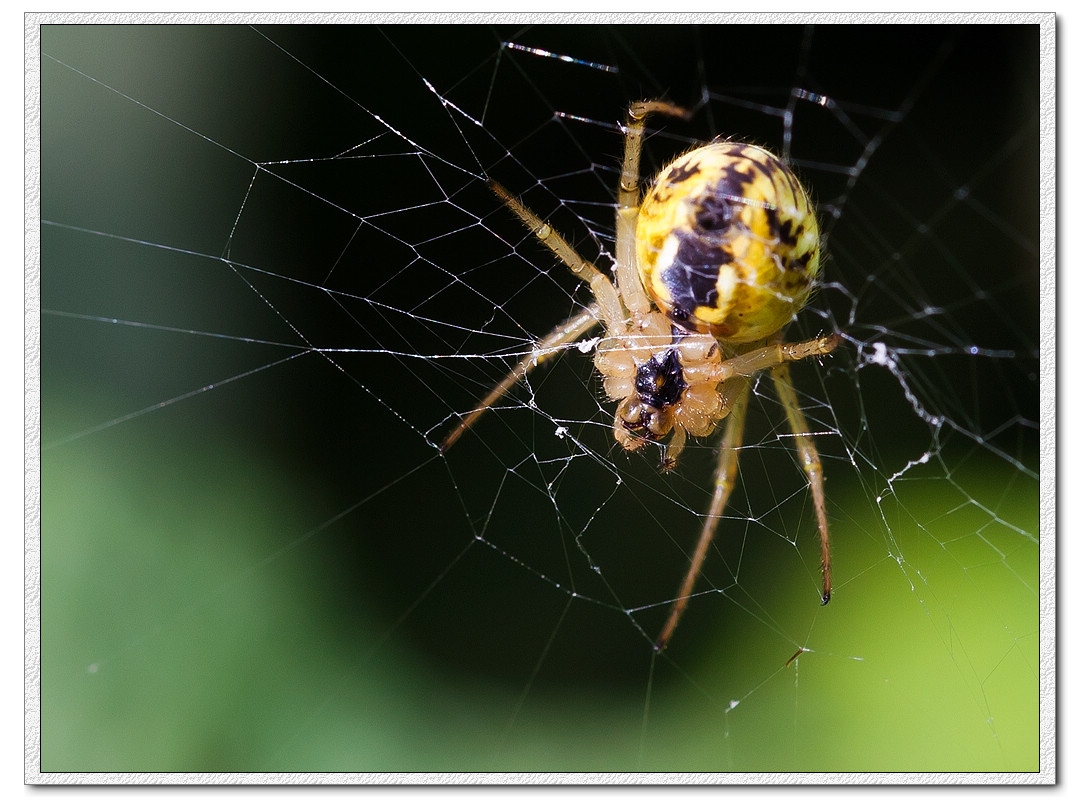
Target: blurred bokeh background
<point>254,559</point>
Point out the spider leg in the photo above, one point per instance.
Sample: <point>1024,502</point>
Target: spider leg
<point>633,294</point>
<point>811,464</point>
<point>607,299</point>
<point>773,355</point>
<point>727,468</point>
<point>565,333</point>
<point>606,309</point>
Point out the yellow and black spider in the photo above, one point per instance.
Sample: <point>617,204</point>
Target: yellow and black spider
<point>710,267</point>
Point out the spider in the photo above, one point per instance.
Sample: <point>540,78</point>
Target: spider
<point>713,263</point>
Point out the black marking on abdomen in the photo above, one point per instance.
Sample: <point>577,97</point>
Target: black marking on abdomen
<point>691,276</point>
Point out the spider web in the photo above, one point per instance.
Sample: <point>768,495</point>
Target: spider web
<point>272,280</point>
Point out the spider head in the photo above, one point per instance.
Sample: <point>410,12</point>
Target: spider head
<point>660,375</point>
<point>647,413</point>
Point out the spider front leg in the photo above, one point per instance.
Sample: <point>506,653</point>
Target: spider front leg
<point>606,309</point>
<point>626,271</point>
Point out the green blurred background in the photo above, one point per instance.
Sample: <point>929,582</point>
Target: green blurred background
<point>278,573</point>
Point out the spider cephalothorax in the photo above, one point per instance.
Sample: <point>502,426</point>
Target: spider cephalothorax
<point>662,376</point>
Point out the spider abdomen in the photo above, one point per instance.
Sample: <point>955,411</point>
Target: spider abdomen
<point>727,242</point>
